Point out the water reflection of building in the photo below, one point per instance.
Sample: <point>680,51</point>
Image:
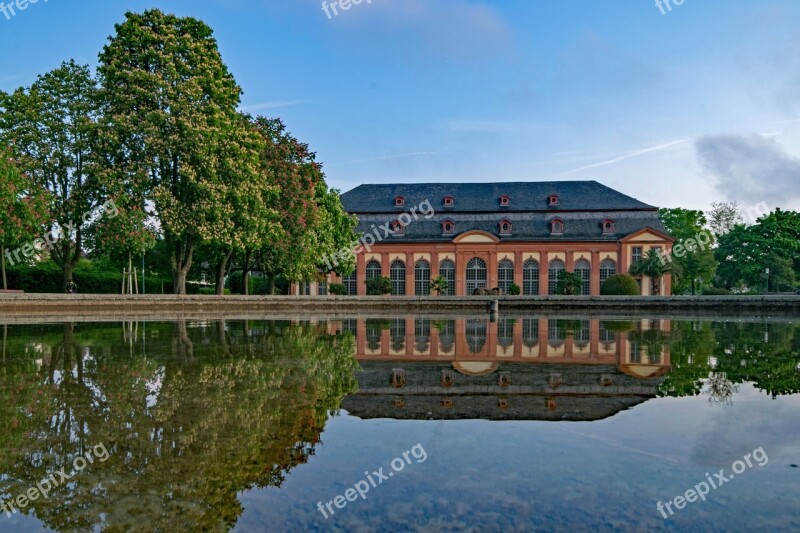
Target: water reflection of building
<point>514,368</point>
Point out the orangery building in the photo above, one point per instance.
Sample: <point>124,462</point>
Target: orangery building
<point>486,235</point>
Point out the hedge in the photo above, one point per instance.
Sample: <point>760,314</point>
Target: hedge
<point>47,278</point>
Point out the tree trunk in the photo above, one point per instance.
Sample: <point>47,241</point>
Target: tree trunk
<point>69,269</point>
<point>182,253</point>
<point>222,271</point>
<point>3,267</point>
<point>246,273</point>
<point>693,287</point>
<point>272,284</point>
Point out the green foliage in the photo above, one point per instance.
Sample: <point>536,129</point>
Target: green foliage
<point>379,286</point>
<point>337,289</point>
<point>620,285</point>
<point>439,285</point>
<point>569,283</point>
<point>90,277</point>
<point>257,285</point>
<point>696,265</point>
<point>653,266</point>
<point>212,292</point>
<point>745,254</point>
<point>514,290</point>
<point>51,130</point>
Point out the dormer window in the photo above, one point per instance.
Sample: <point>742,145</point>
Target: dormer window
<point>505,201</point>
<point>448,227</point>
<point>609,226</point>
<point>398,228</point>
<point>552,200</point>
<point>505,227</point>
<point>556,226</point>
<point>448,201</point>
<point>399,201</point>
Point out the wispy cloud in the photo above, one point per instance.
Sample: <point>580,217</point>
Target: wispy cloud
<point>628,155</point>
<point>271,105</point>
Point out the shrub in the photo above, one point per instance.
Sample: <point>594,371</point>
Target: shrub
<point>258,285</point>
<point>337,289</point>
<point>514,290</point>
<point>714,291</point>
<point>379,286</point>
<point>569,283</point>
<point>620,285</point>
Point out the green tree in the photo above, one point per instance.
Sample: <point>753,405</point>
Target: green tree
<point>620,285</point>
<point>693,264</point>
<point>654,267</point>
<point>24,208</point>
<point>764,256</point>
<point>50,128</point>
<point>439,285</point>
<point>170,112</point>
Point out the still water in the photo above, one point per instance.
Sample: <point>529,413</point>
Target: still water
<point>400,424</point>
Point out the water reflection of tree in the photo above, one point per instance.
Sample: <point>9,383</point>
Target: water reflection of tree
<point>189,425</point>
<point>766,354</point>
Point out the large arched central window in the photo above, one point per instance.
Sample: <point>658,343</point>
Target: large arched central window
<point>505,275</point>
<point>530,278</point>
<point>447,269</point>
<point>398,274</point>
<point>476,274</point>
<point>422,278</point>
<point>584,269</point>
<point>556,268</point>
<point>373,269</point>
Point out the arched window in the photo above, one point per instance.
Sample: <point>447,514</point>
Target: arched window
<point>397,334</point>
<point>373,269</point>
<point>505,227</point>
<point>448,201</point>
<point>398,275</point>
<point>607,269</point>
<point>476,274</point>
<point>448,227</point>
<point>530,278</point>
<point>422,335</point>
<point>422,278</point>
<point>505,201</point>
<point>505,275</point>
<point>556,226</point>
<point>351,283</point>
<point>552,199</point>
<point>398,228</point>
<point>447,334</point>
<point>556,268</point>
<point>584,269</point>
<point>555,335</point>
<point>609,226</point>
<point>447,269</point>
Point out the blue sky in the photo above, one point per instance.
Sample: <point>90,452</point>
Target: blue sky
<point>682,109</point>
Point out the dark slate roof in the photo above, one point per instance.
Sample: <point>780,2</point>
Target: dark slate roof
<point>485,197</point>
<point>578,226</point>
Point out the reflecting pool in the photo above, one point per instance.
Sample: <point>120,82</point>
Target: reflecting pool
<point>401,423</point>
